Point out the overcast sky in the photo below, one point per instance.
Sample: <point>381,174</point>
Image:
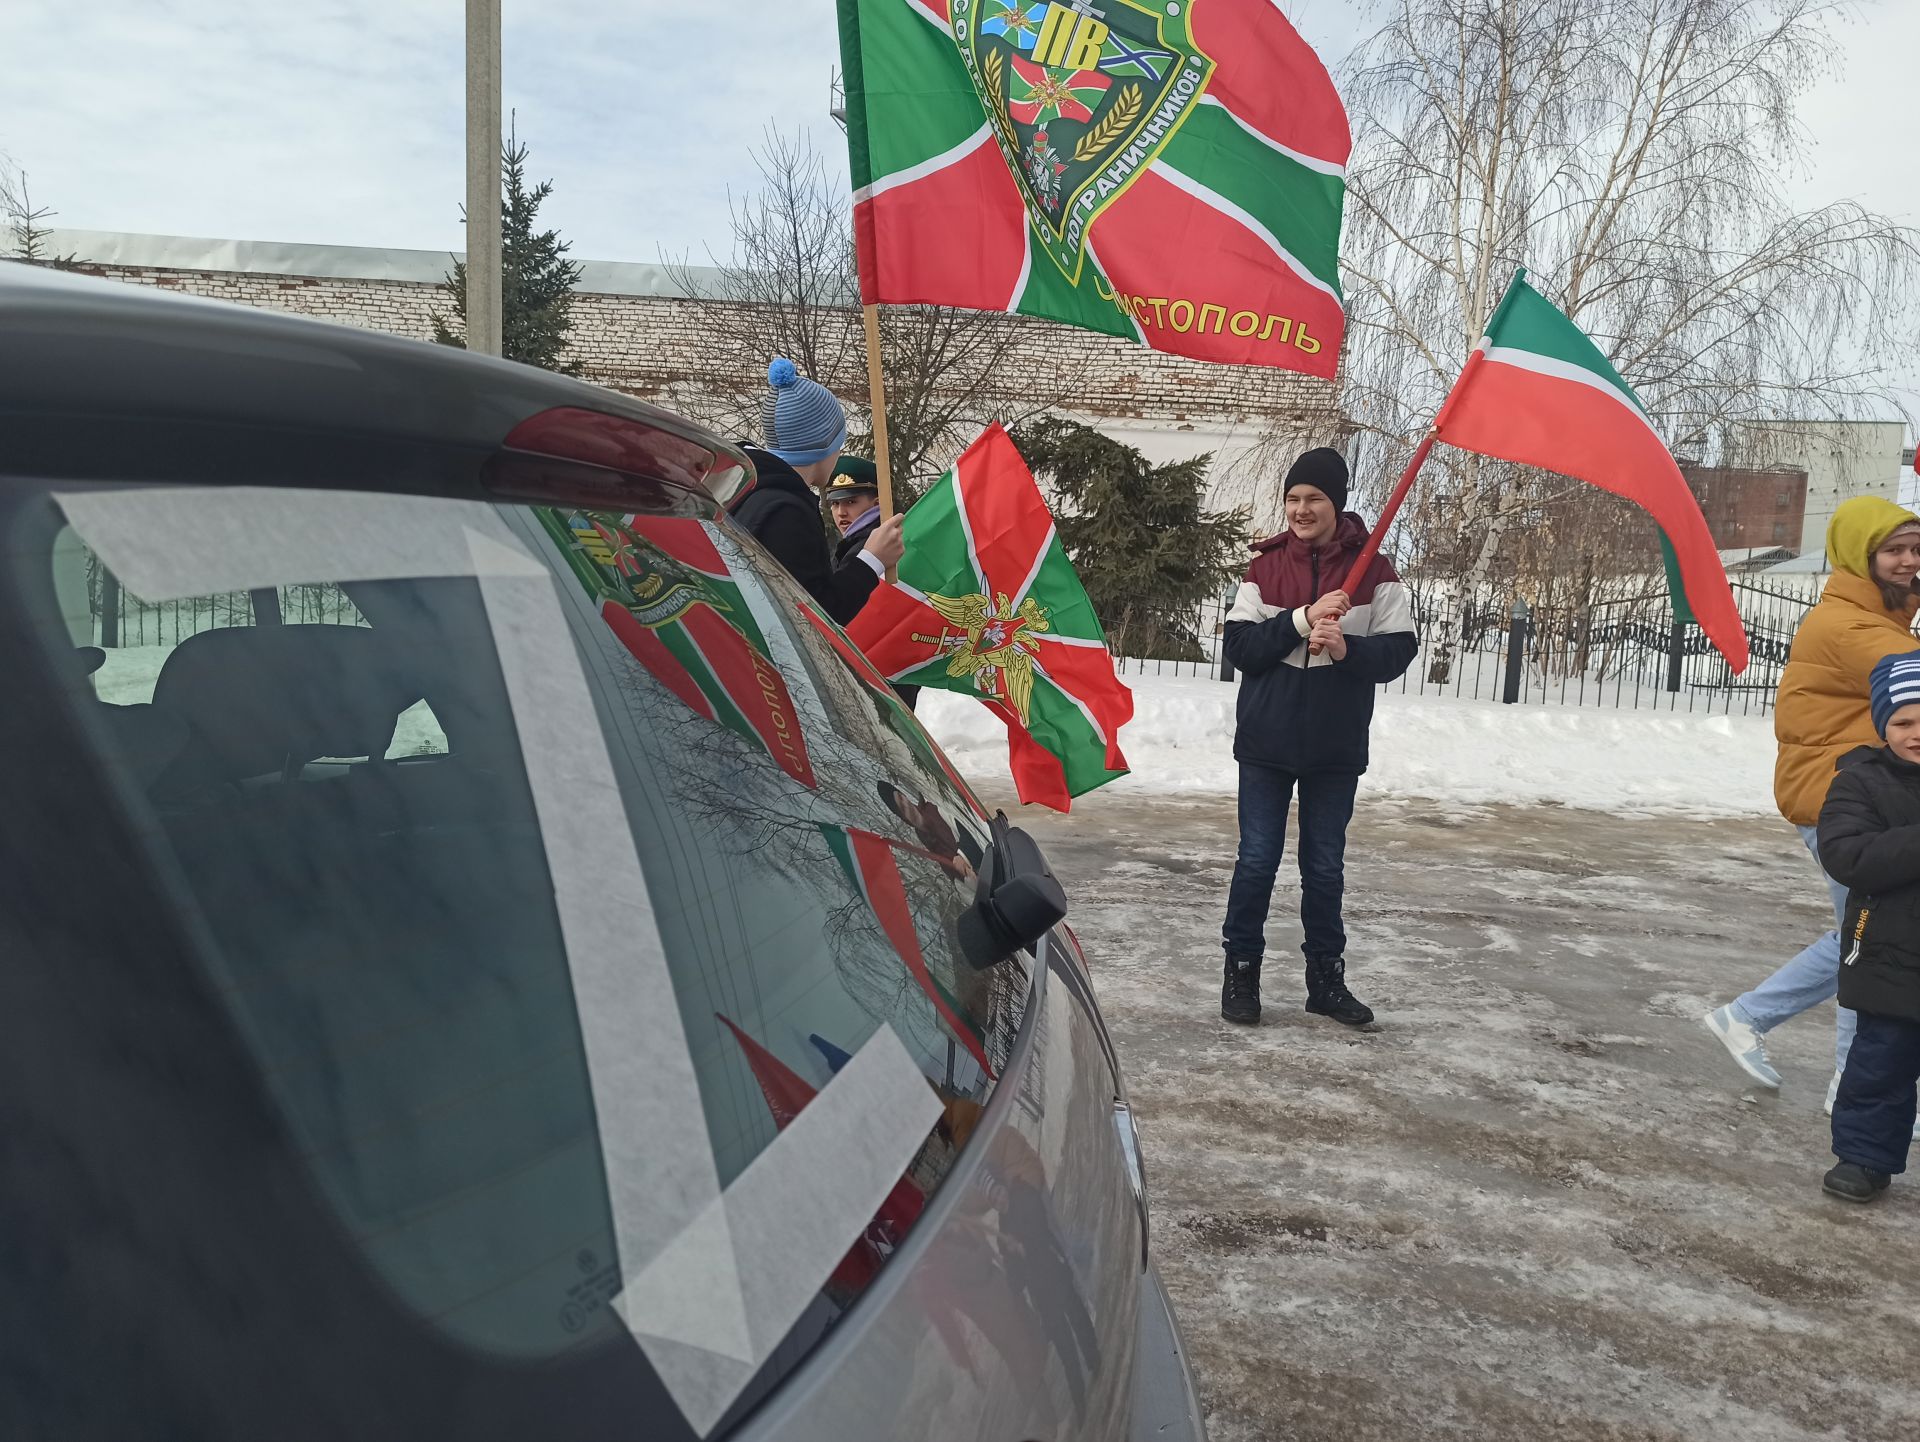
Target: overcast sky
<point>340,121</point>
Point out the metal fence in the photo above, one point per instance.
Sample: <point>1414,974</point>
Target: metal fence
<point>1626,653</point>
<point>120,619</point>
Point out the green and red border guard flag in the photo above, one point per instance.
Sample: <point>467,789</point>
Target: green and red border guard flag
<point>1169,172</point>
<point>1538,392</point>
<point>988,604</point>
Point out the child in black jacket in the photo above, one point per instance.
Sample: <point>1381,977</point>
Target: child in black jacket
<point>1870,842</point>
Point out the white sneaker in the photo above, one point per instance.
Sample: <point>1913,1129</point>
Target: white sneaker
<point>1833,1090</point>
<point>1743,1043</point>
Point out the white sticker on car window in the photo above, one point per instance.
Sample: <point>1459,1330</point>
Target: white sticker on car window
<point>711,1281</point>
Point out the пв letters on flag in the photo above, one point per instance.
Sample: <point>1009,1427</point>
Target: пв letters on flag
<point>1172,173</point>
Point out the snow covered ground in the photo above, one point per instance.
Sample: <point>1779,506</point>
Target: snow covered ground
<point>1539,1201</point>
<point>1472,753</point>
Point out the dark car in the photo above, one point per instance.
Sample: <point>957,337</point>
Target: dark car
<point>483,957</point>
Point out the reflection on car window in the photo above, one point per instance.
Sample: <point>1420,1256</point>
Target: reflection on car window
<point>341,785</point>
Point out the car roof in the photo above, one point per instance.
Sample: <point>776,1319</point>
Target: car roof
<point>99,377</point>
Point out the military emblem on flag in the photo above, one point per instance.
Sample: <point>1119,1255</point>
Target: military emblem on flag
<point>1170,172</point>
<point>1051,68</point>
<point>667,593</point>
<point>988,604</point>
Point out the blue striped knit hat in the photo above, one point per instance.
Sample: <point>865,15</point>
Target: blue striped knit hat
<point>1895,683</point>
<point>800,420</point>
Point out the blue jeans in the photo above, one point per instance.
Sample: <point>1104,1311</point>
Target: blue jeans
<point>1873,1113</point>
<point>1809,979</point>
<point>1326,806</point>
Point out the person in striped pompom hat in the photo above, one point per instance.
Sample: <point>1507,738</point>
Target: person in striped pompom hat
<point>1870,843</point>
<point>803,429</point>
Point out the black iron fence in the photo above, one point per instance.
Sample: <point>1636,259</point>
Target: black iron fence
<point>1628,652</point>
<point>120,619</point>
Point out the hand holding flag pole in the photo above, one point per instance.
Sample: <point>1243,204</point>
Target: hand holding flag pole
<point>1538,392</point>
<point>1388,512</point>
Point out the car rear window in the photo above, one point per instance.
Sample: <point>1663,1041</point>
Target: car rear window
<point>552,865</point>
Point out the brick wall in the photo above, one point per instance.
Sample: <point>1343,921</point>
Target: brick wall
<point>1747,508</point>
<point>657,347</point>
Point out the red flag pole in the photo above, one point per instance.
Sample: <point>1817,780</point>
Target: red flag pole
<point>1389,511</point>
<point>1387,515</point>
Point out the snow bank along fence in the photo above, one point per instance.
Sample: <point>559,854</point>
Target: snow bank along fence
<point>1627,653</point>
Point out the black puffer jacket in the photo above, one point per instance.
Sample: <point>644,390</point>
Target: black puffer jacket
<point>1870,842</point>
<point>782,513</point>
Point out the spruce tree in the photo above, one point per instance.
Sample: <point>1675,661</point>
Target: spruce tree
<point>1147,549</point>
<point>536,278</point>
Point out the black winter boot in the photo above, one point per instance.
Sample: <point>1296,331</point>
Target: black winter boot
<point>1852,1182</point>
<point>1240,990</point>
<point>1327,993</point>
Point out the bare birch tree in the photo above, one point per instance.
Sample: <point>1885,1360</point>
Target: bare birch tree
<point>1631,154</point>
<point>790,286</point>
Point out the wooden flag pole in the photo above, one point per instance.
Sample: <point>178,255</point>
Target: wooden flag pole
<point>877,401</point>
<point>1358,570</point>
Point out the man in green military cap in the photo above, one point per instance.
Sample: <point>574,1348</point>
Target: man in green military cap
<point>853,500</point>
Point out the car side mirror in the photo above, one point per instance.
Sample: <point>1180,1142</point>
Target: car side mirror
<point>1017,902</point>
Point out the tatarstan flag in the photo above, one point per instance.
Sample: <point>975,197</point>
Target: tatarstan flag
<point>1536,391</point>
<point>987,604</point>
<point>1170,173</point>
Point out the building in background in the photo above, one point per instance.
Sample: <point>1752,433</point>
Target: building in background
<point>1750,509</point>
<point>1841,459</point>
<point>640,329</point>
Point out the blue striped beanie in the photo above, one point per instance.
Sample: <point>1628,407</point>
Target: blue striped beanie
<point>1895,683</point>
<point>800,420</point>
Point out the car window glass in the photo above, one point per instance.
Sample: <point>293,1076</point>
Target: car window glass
<point>383,917</point>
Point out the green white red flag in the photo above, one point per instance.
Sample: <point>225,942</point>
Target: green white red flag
<point>1536,391</point>
<point>666,593</point>
<point>988,604</point>
<point>1170,173</point>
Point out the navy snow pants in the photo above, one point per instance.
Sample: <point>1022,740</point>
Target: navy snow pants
<point>1874,1110</point>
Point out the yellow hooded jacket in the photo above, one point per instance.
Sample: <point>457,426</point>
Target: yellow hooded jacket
<point>1823,710</point>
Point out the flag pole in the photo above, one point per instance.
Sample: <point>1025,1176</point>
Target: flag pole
<point>1388,512</point>
<point>877,401</point>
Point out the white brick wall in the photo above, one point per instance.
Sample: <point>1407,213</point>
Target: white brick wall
<point>646,344</point>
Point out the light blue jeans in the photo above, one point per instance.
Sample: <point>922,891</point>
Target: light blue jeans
<point>1809,979</point>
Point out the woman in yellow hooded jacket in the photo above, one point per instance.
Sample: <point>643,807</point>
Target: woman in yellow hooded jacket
<point>1822,712</point>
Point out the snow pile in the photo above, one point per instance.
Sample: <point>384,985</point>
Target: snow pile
<point>1438,747</point>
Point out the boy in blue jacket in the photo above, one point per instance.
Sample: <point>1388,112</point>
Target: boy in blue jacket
<point>1302,725</point>
<point>1870,842</point>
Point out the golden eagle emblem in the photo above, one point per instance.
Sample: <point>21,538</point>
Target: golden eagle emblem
<point>994,645</point>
